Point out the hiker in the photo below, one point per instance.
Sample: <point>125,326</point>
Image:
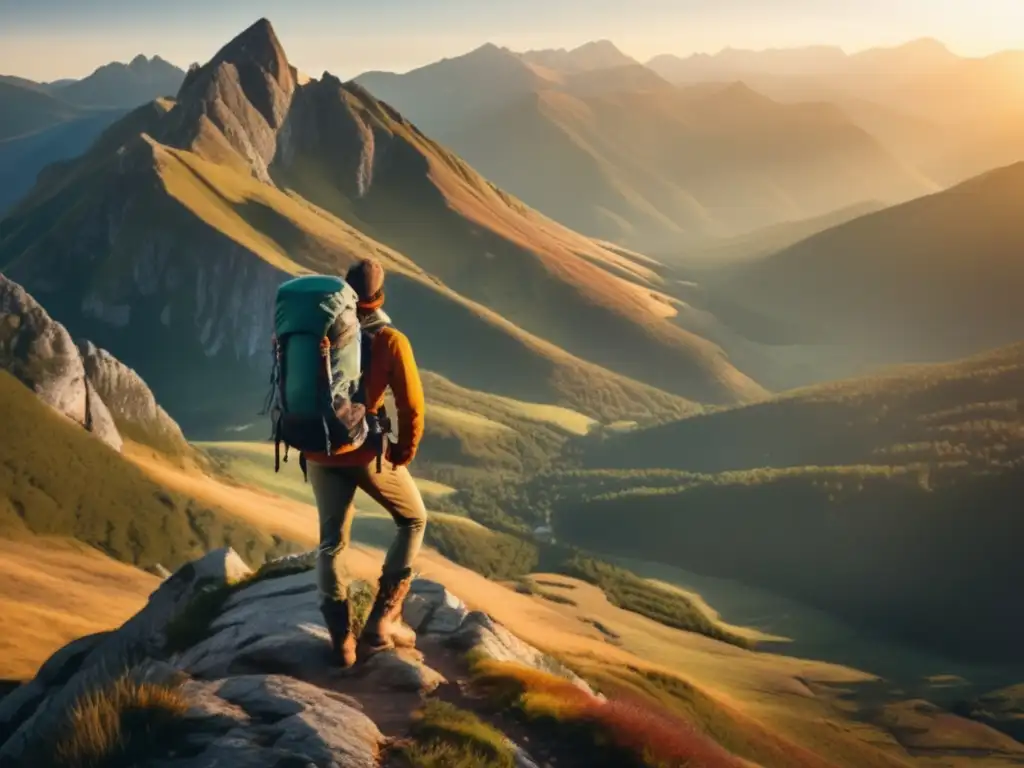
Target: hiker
<point>374,464</point>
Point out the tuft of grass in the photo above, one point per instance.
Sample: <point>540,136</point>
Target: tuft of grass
<point>554,597</point>
<point>444,736</point>
<point>626,733</point>
<point>120,725</point>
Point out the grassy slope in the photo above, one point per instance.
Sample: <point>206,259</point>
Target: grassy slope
<point>26,110</point>
<point>933,279</point>
<point>55,591</point>
<point>58,480</point>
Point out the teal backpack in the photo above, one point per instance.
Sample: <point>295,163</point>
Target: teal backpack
<point>314,403</point>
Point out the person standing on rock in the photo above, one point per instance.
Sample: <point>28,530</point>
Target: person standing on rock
<point>335,479</point>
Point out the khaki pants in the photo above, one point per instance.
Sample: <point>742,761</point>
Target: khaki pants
<point>335,490</point>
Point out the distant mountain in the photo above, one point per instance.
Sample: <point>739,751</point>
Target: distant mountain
<point>621,155</point>
<point>22,82</point>
<point>917,57</point>
<point>166,241</point>
<point>25,110</point>
<point>899,94</point>
<point>23,157</point>
<point>589,57</point>
<point>731,251</point>
<point>44,123</point>
<point>444,96</point>
<point>125,86</point>
<point>930,280</point>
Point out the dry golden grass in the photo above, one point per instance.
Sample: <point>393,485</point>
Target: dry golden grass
<point>53,591</point>
<point>641,733</point>
<point>119,725</point>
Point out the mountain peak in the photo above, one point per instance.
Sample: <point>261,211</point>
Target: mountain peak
<point>139,61</point>
<point>259,45</point>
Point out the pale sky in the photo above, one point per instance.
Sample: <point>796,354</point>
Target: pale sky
<point>50,39</point>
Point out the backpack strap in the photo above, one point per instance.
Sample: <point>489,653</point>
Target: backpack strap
<point>379,424</point>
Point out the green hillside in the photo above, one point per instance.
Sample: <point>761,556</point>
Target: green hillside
<point>967,413</point>
<point>899,493</point>
<point>58,480</point>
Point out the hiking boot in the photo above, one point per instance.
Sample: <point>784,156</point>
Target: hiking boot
<point>338,620</point>
<point>384,627</point>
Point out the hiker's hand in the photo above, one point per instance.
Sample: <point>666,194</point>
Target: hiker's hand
<point>399,455</point>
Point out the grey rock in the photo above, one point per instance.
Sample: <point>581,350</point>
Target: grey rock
<point>308,721</point>
<point>289,564</point>
<point>481,634</point>
<point>130,399</point>
<point>432,609</point>
<point>274,586</point>
<point>40,352</point>
<point>302,652</point>
<point>221,566</point>
<point>268,698</point>
<point>401,670</point>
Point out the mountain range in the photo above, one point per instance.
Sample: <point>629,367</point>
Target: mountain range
<point>617,152</point>
<point>901,94</point>
<point>184,216</point>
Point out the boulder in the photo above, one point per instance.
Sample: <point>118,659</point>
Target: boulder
<point>431,609</point>
<point>484,636</point>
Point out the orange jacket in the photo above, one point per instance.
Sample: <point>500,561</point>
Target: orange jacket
<point>391,365</point>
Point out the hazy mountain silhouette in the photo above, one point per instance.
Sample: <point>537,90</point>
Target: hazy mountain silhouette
<point>902,95</point>
<point>620,154</point>
<point>123,85</point>
<point>933,279</point>
<point>25,110</point>
<point>596,55</point>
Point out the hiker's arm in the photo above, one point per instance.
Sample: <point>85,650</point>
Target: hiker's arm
<point>408,391</point>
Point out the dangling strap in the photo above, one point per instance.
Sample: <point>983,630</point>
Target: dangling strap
<point>326,378</point>
<point>303,467</point>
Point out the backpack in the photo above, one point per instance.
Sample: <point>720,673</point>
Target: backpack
<point>319,359</point>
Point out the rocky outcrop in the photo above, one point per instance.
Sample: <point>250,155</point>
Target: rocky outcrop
<point>85,383</point>
<point>243,94</point>
<point>256,672</point>
<point>40,352</point>
<point>130,400</point>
